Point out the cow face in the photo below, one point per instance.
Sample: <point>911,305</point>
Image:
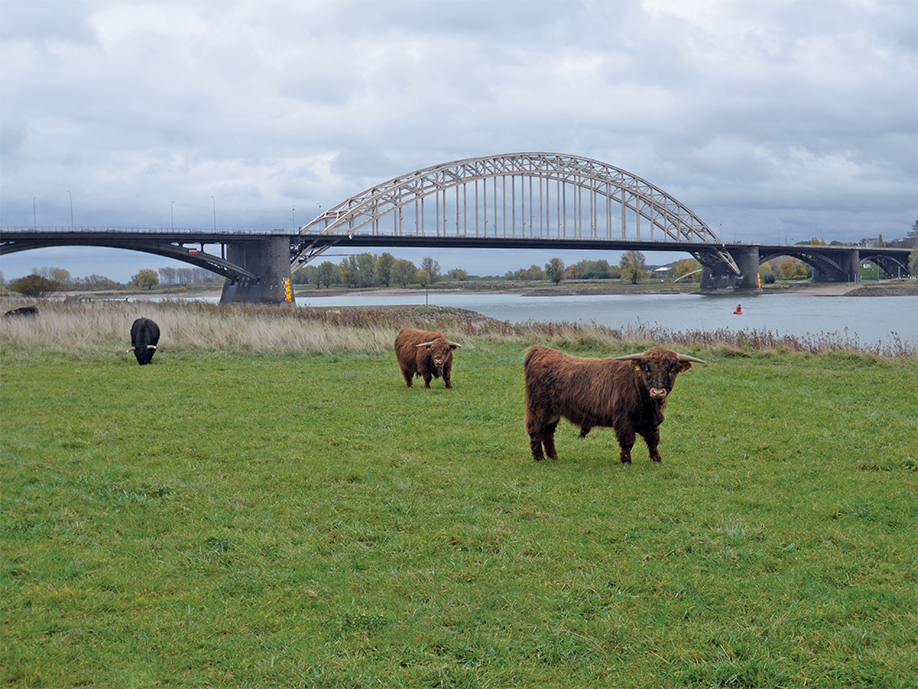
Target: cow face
<point>658,368</point>
<point>144,354</point>
<point>439,352</point>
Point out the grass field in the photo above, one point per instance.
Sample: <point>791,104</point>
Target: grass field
<point>243,518</point>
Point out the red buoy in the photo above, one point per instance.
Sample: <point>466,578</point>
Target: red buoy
<point>739,309</point>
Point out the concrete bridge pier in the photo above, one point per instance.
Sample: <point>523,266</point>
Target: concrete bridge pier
<point>270,260</point>
<point>717,275</point>
<point>849,268</point>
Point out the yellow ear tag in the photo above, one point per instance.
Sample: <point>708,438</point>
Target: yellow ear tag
<point>637,368</point>
<point>428,349</point>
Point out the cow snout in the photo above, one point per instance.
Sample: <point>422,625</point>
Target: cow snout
<point>659,394</point>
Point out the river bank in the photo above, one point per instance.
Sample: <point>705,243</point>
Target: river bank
<point>872,289</point>
<point>880,289</point>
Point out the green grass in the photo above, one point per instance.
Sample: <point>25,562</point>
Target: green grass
<point>260,520</point>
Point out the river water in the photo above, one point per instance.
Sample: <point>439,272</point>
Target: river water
<point>869,320</point>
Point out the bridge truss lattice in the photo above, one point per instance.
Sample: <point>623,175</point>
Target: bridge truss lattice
<point>519,195</point>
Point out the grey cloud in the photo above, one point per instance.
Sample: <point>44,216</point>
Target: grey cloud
<point>747,112</point>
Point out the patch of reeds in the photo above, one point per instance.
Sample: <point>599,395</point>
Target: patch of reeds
<point>194,325</point>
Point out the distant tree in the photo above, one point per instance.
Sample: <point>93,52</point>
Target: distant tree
<point>402,272</point>
<point>913,262</point>
<point>145,279</point>
<point>458,274</point>
<point>96,282</point>
<point>167,275</point>
<point>789,268</point>
<point>591,270</point>
<point>533,272</point>
<point>313,275</point>
<point>329,274</point>
<point>34,286</point>
<point>432,268</point>
<point>422,277</point>
<point>686,266</point>
<point>633,266</point>
<point>383,269</point>
<point>768,277</point>
<point>347,269</point>
<point>61,276</point>
<point>184,276</point>
<point>555,270</point>
<point>366,270</point>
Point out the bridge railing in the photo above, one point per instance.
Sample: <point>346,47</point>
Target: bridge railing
<point>139,230</point>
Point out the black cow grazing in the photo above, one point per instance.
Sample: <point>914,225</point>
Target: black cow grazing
<point>144,338</point>
<point>627,393</point>
<point>22,312</point>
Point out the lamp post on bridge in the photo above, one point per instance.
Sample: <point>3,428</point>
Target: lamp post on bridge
<point>215,212</point>
<point>34,214</point>
<point>172,214</point>
<point>71,208</point>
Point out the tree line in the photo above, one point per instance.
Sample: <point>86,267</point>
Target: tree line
<point>370,270</point>
<point>385,270</point>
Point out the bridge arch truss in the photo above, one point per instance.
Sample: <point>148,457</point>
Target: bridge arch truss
<point>518,195</point>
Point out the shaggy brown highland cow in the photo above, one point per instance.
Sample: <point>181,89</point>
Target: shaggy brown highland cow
<point>429,355</point>
<point>625,393</point>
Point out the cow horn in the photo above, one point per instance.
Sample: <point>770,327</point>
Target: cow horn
<point>631,357</point>
<point>151,346</point>
<point>425,344</point>
<point>128,350</point>
<point>686,357</point>
<point>454,344</point>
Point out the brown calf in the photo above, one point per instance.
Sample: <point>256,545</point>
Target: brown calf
<point>626,393</point>
<point>420,353</point>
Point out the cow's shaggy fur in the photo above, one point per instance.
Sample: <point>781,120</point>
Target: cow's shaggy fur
<point>627,394</point>
<point>144,339</point>
<point>425,354</point>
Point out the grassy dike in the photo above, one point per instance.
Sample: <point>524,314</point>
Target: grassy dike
<point>250,511</point>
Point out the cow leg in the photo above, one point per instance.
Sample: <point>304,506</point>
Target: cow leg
<point>446,379</point>
<point>427,379</point>
<point>625,442</point>
<point>550,441</point>
<point>653,443</point>
<point>535,444</point>
<point>535,427</point>
<point>408,376</point>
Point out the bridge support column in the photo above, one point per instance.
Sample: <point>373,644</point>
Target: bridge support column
<point>747,260</point>
<point>717,275</point>
<point>270,260</point>
<point>849,264</point>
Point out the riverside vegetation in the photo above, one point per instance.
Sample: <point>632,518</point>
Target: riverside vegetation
<point>269,505</point>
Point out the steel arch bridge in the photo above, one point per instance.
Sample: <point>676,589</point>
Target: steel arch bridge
<point>519,196</point>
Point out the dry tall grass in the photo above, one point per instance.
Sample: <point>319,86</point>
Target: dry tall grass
<point>105,326</point>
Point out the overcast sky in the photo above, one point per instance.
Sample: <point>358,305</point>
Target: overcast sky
<point>772,120</point>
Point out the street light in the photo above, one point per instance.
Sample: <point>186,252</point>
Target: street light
<point>293,218</point>
<point>71,208</point>
<point>172,214</point>
<point>215,212</point>
<point>34,216</point>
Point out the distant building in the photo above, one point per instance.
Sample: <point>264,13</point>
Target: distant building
<point>913,233</point>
